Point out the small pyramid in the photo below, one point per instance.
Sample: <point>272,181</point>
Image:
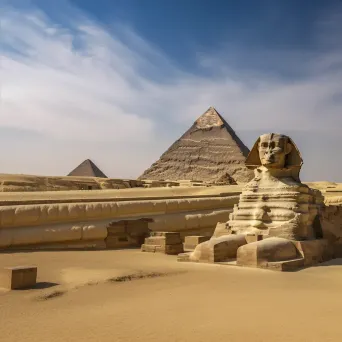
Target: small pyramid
<point>208,151</point>
<point>87,169</point>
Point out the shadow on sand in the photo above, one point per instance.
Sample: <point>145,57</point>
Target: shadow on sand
<point>332,262</point>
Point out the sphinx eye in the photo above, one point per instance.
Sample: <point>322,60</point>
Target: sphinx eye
<point>264,144</point>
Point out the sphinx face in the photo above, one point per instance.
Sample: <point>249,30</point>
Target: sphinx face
<point>272,150</point>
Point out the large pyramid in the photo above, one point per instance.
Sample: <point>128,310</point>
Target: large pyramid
<point>87,169</point>
<point>209,151</point>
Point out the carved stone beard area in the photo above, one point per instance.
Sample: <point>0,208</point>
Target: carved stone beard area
<point>278,222</point>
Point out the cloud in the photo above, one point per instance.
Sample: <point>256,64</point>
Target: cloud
<point>82,89</point>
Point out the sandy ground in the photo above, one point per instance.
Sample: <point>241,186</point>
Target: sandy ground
<point>127,295</point>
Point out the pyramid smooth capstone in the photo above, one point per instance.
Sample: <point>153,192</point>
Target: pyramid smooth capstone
<point>270,250</point>
<point>217,249</point>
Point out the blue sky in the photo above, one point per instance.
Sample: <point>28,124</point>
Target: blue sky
<point>118,81</point>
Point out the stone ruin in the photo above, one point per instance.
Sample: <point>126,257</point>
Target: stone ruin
<point>279,223</point>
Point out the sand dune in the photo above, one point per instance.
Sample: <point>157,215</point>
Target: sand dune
<point>126,295</point>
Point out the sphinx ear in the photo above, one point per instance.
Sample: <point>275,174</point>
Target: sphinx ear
<point>253,159</point>
<point>288,148</point>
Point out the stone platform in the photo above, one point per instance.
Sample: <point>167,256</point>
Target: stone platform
<point>272,253</point>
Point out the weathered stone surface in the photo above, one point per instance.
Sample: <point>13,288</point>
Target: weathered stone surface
<point>282,221</point>
<point>218,249</point>
<point>314,251</point>
<point>163,238</point>
<point>170,249</point>
<point>209,151</point>
<point>54,223</point>
<point>222,228</point>
<point>196,222</point>
<point>20,277</point>
<point>284,266</point>
<point>258,254</point>
<point>163,242</point>
<point>275,202</point>
<point>120,241</point>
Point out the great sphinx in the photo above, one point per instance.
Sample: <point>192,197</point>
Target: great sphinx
<point>277,222</point>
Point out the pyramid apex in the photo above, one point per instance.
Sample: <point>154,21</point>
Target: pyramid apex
<point>210,118</point>
<point>87,169</point>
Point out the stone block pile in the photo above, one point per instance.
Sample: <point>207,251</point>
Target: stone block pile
<point>163,242</point>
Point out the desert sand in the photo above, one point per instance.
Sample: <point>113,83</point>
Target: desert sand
<point>127,295</point>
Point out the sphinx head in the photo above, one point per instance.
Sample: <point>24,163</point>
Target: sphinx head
<point>274,151</point>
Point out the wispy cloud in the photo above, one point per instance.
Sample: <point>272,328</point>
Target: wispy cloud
<point>76,84</point>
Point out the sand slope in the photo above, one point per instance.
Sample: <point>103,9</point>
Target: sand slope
<point>190,302</point>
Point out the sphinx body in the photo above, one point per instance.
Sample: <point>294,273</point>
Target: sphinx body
<point>274,206</point>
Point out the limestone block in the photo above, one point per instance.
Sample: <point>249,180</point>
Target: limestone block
<point>211,218</point>
<point>170,249</point>
<point>147,248</point>
<point>175,222</point>
<point>115,228</point>
<point>191,242</point>
<point>163,242</point>
<point>192,221</point>
<point>27,235</point>
<point>60,232</point>
<point>218,249</point>
<point>286,266</point>
<point>185,204</point>
<point>52,213</point>
<point>20,277</point>
<point>331,221</point>
<point>7,215</point>
<point>159,207</point>
<point>93,210</point>
<point>157,225</point>
<point>26,214</point>
<point>172,206</point>
<point>314,251</point>
<point>108,209</point>
<point>126,208</point>
<point>22,236</point>
<point>64,212</point>
<point>95,231</point>
<point>120,241</point>
<point>259,253</point>
<point>77,211</point>
<point>163,238</point>
<point>138,228</point>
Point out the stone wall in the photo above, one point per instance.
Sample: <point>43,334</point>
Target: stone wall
<point>86,224</point>
<point>331,220</point>
<point>30,183</point>
<point>86,219</point>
